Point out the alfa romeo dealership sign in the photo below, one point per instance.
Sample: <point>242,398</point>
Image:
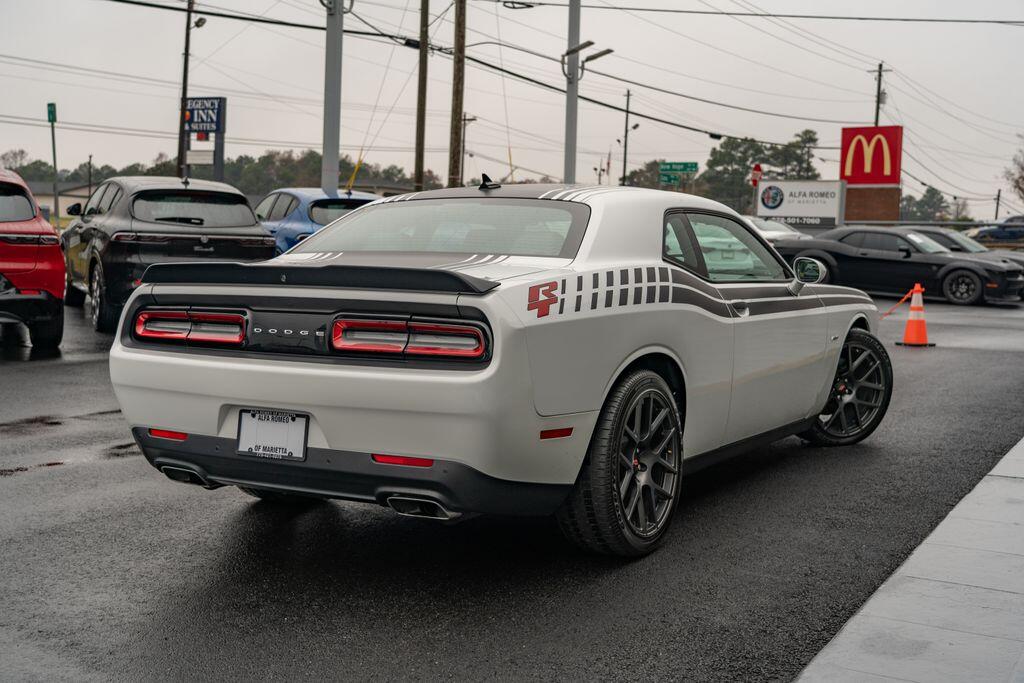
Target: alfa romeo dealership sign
<point>813,203</point>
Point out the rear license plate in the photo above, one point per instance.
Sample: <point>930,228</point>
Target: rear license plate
<point>272,434</point>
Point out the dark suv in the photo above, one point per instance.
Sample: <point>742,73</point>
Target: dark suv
<point>132,222</point>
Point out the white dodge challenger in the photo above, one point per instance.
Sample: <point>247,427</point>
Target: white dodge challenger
<point>523,350</point>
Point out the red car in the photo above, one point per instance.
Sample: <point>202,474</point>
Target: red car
<point>32,276</point>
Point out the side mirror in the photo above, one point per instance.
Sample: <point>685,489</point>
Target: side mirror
<point>905,252</point>
<point>809,271</point>
<point>74,210</point>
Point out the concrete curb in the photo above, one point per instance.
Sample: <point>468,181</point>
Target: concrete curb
<point>954,610</point>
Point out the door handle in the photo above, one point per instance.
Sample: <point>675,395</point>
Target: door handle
<point>862,253</point>
<point>742,308</point>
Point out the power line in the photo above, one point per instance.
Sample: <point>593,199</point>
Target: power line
<point>517,4</point>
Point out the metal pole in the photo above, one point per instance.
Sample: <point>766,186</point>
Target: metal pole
<point>999,196</point>
<point>56,174</point>
<point>625,142</point>
<point>458,83</point>
<point>332,97</point>
<point>90,175</point>
<point>182,135</point>
<point>218,142</point>
<point>421,96</point>
<point>571,93</point>
<point>878,93</point>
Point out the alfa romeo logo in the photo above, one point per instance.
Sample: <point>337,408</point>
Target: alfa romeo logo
<point>771,197</point>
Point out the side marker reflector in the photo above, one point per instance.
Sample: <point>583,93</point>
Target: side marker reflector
<point>401,460</point>
<point>559,433</point>
<point>168,434</point>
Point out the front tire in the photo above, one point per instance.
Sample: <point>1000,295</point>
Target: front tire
<point>104,315</point>
<point>47,334</point>
<point>859,396</point>
<point>628,488</point>
<point>963,288</point>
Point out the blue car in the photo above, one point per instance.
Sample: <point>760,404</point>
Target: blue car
<point>292,214</point>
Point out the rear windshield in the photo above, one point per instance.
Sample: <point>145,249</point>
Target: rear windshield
<point>523,227</point>
<point>14,204</point>
<point>324,211</point>
<point>184,207</point>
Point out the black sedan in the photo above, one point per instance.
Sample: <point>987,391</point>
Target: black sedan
<point>891,260</point>
<point>959,243</point>
<point>131,222</point>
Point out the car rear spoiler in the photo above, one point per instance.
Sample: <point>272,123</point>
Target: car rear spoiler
<point>348,277</point>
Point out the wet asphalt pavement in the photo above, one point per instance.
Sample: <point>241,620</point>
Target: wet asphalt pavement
<point>108,570</point>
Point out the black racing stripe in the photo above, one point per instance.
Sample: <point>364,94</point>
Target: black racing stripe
<point>651,276</point>
<point>683,277</point>
<point>783,306</point>
<point>663,275</point>
<point>561,305</point>
<point>597,281</point>
<point>652,291</point>
<point>681,295</point>
<point>756,291</point>
<point>593,299</point>
<point>663,294</point>
<point>579,283</point>
<point>638,295</point>
<point>579,302</point>
<point>563,287</point>
<point>845,301</point>
<point>608,298</point>
<point>623,296</point>
<point>609,278</point>
<point>638,275</point>
<point>624,276</point>
<point>836,289</point>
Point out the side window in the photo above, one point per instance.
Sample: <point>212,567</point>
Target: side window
<point>263,208</point>
<point>854,239</point>
<point>92,206</point>
<point>882,242</point>
<point>731,253</point>
<point>111,196</point>
<point>944,240</point>
<point>281,209</point>
<point>679,246</point>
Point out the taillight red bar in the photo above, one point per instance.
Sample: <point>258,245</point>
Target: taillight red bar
<point>168,434</point>
<point>401,460</point>
<point>191,326</point>
<point>411,338</point>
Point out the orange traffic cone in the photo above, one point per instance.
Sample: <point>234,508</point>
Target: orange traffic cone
<point>916,331</point>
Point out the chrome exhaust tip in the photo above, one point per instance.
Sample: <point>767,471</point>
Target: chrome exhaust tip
<point>185,475</point>
<point>411,506</point>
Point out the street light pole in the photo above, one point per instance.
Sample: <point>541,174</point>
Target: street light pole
<point>625,142</point>
<point>182,135</point>
<point>332,95</point>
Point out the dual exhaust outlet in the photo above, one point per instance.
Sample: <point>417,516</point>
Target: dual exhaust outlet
<point>409,506</point>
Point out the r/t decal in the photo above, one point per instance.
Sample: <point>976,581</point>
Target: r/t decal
<point>542,297</point>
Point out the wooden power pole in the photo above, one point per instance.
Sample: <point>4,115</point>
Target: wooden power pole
<point>458,83</point>
<point>421,96</point>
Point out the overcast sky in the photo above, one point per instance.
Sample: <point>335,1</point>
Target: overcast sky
<point>956,88</point>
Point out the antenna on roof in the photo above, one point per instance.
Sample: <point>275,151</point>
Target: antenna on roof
<point>487,183</point>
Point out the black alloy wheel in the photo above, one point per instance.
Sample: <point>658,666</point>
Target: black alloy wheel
<point>962,287</point>
<point>860,393</point>
<point>629,485</point>
<point>103,314</point>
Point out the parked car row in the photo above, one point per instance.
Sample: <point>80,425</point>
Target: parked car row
<point>130,223</point>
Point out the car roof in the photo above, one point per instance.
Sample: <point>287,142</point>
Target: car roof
<point>9,176</point>
<point>156,182</point>
<point>314,193</point>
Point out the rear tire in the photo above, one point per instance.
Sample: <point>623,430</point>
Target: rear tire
<point>859,396</point>
<point>104,315</point>
<point>281,497</point>
<point>962,288</point>
<point>628,487</point>
<point>47,334</point>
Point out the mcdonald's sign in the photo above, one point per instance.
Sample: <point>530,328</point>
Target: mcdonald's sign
<point>872,155</point>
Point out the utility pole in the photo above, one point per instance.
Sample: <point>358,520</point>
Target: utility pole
<point>466,120</point>
<point>332,95</point>
<point>999,196</point>
<point>625,141</point>
<point>90,175</point>
<point>879,93</point>
<point>182,135</point>
<point>458,83</point>
<point>572,84</point>
<point>421,96</point>
<point>51,116</point>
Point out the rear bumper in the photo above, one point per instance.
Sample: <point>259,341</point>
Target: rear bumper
<point>28,308</point>
<point>349,475</point>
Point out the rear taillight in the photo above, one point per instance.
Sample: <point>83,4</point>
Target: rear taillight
<point>201,327</point>
<point>29,239</point>
<point>409,338</point>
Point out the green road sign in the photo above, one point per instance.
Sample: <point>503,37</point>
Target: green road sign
<point>668,178</point>
<point>678,167</point>
<point>51,112</point>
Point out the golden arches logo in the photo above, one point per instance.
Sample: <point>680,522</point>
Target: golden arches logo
<point>869,153</point>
